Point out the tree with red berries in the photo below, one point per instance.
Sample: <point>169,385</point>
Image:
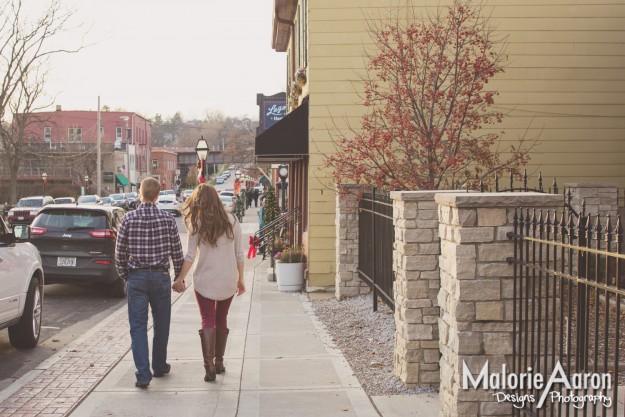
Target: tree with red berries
<point>425,91</point>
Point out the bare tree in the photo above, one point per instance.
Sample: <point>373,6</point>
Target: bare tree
<point>25,50</point>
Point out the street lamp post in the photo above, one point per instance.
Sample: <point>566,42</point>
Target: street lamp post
<point>283,172</point>
<point>202,152</point>
<point>44,177</point>
<point>86,184</point>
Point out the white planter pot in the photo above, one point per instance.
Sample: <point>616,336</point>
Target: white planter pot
<point>290,277</point>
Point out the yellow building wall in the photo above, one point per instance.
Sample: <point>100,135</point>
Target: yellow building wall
<point>564,83</point>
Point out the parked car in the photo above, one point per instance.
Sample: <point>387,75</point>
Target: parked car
<point>228,202</point>
<point>106,201</point>
<point>21,287</point>
<point>169,204</point>
<point>167,192</point>
<point>119,201</point>
<point>77,244</point>
<point>89,199</point>
<point>133,200</point>
<point>186,194</point>
<point>65,200</point>
<point>27,208</point>
<point>229,193</point>
<point>219,180</point>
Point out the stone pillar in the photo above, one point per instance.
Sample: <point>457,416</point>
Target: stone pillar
<point>417,281</point>
<point>347,282</point>
<point>476,293</point>
<point>599,198</point>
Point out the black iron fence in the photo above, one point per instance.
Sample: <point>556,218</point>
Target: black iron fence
<point>569,283</point>
<point>376,236</point>
<point>284,231</point>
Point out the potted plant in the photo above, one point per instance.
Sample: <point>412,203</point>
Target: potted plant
<point>296,89</point>
<point>290,265</point>
<point>300,76</point>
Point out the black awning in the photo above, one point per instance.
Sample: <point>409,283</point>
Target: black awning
<point>287,139</point>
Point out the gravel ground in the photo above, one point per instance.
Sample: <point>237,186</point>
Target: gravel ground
<point>366,339</point>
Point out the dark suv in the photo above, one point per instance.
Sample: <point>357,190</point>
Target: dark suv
<point>26,209</point>
<point>77,244</point>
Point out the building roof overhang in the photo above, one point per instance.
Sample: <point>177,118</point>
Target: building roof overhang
<point>287,140</point>
<point>283,12</point>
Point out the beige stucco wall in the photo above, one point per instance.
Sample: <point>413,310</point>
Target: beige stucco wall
<point>565,82</point>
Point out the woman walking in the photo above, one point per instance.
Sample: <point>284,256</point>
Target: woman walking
<point>215,240</point>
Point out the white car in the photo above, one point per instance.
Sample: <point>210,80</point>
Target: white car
<point>169,204</point>
<point>186,194</point>
<point>228,193</point>
<point>228,202</point>
<point>21,287</point>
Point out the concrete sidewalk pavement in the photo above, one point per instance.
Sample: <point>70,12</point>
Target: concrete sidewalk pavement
<point>277,364</point>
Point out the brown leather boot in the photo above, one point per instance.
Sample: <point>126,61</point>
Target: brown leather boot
<point>207,336</point>
<point>220,348</point>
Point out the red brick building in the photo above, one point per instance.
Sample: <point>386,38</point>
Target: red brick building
<point>63,144</point>
<point>164,165</point>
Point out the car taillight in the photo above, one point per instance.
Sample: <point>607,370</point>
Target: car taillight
<point>106,233</point>
<point>103,262</point>
<point>37,231</point>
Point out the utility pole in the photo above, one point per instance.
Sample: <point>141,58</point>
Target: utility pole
<point>99,162</point>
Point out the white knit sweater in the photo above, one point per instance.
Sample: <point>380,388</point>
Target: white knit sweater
<point>216,274</point>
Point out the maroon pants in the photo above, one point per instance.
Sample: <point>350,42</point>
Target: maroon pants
<point>214,313</point>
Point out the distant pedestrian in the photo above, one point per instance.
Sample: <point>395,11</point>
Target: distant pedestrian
<point>249,195</point>
<point>215,240</point>
<point>147,238</point>
<point>255,195</point>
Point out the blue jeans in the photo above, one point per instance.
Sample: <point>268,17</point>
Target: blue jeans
<point>149,288</point>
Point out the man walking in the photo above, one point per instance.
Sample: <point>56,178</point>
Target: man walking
<point>146,240</point>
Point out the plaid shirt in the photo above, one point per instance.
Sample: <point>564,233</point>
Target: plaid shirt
<point>148,237</point>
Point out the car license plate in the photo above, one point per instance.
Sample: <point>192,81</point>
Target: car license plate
<point>60,261</point>
<point>20,218</point>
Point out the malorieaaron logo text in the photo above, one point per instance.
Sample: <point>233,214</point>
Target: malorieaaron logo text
<point>505,382</point>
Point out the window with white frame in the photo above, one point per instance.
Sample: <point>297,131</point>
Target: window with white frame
<point>74,135</point>
<point>118,134</point>
<point>154,163</point>
<point>47,134</point>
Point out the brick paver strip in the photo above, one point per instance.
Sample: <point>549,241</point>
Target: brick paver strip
<point>58,390</point>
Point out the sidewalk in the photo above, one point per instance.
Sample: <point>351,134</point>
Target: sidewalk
<point>279,361</point>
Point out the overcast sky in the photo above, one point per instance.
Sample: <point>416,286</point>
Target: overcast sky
<point>164,56</point>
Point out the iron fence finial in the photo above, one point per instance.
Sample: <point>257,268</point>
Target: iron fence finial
<point>540,181</point>
<point>555,186</point>
<point>497,183</point>
<point>525,180</point>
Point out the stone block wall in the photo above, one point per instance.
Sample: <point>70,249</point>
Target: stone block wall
<point>347,283</point>
<point>417,282</point>
<point>476,293</point>
<point>599,198</point>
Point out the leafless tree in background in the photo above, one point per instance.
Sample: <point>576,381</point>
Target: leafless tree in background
<point>25,49</point>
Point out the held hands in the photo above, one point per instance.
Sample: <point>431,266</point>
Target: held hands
<point>179,285</point>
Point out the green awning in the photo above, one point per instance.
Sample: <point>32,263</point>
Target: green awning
<point>264,180</point>
<point>121,180</point>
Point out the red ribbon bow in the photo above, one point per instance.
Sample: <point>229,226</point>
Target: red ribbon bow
<point>254,242</point>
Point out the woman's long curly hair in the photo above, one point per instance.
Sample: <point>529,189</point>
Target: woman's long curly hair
<point>205,215</point>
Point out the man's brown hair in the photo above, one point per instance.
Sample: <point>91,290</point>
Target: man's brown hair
<point>150,188</point>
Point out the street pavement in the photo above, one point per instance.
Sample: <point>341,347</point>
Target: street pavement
<point>279,362</point>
